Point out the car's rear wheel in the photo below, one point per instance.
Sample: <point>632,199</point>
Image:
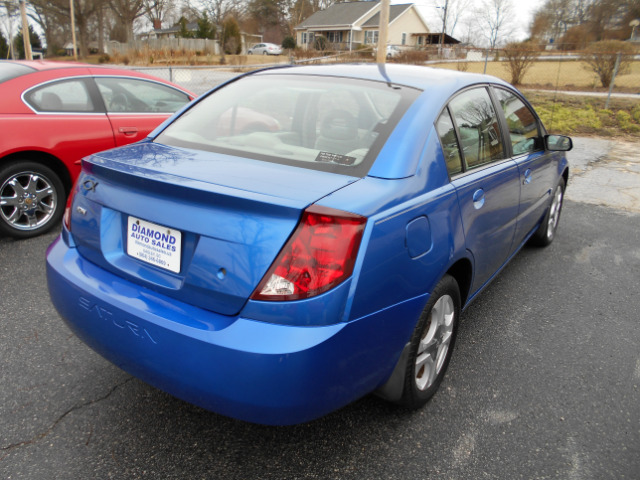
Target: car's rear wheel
<point>547,230</point>
<point>265,53</point>
<point>32,199</point>
<point>432,344</point>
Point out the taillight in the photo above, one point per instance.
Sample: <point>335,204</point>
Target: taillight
<point>319,255</point>
<point>67,211</point>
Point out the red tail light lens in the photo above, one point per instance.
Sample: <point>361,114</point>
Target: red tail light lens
<point>319,255</point>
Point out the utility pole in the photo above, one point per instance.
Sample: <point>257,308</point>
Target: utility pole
<point>444,23</point>
<point>25,32</point>
<point>381,56</point>
<point>73,31</point>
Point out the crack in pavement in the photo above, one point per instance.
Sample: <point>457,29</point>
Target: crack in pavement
<point>41,435</point>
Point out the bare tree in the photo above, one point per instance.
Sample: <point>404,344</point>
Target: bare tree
<point>518,58</point>
<point>495,20</point>
<point>156,11</point>
<point>9,13</point>
<point>451,13</point>
<point>84,13</point>
<point>602,58</point>
<point>54,26</point>
<point>127,11</point>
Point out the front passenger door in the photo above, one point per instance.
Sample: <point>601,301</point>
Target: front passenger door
<point>537,175</point>
<point>135,107</point>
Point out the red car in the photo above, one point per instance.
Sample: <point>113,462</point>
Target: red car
<point>52,115</point>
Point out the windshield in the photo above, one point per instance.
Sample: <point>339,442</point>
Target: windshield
<point>323,123</point>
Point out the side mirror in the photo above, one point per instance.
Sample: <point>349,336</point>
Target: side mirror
<point>558,143</point>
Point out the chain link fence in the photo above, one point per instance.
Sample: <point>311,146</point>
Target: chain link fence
<point>558,72</point>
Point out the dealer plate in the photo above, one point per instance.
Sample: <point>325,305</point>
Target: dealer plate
<point>154,244</point>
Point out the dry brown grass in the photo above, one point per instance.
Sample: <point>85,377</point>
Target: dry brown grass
<point>570,75</point>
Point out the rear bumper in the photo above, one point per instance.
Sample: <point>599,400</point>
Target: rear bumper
<point>246,369</point>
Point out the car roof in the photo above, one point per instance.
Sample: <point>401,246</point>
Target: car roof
<point>46,64</point>
<point>443,81</point>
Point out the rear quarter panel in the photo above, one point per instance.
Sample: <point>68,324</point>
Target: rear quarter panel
<point>413,235</point>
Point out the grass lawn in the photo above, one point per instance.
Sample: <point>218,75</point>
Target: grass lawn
<point>579,115</point>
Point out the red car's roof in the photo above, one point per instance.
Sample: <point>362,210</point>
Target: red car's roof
<point>47,64</point>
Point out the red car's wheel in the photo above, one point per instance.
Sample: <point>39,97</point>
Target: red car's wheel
<point>32,199</point>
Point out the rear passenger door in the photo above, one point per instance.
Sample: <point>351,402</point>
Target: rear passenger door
<point>535,166</point>
<point>486,181</point>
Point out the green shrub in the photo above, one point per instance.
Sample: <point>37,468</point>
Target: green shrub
<point>289,43</point>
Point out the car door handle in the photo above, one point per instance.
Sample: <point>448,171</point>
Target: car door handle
<point>128,130</point>
<point>478,199</point>
<point>527,177</point>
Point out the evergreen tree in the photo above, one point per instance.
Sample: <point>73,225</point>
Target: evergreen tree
<point>206,29</point>
<point>19,42</point>
<point>231,40</point>
<point>4,47</point>
<point>184,33</point>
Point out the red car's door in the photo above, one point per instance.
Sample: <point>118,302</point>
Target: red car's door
<point>66,121</point>
<point>137,106</point>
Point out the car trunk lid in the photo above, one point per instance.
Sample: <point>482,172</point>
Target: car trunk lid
<point>212,223</point>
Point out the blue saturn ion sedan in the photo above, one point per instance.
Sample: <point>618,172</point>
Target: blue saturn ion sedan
<point>300,237</point>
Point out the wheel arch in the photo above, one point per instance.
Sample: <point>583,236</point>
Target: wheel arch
<point>462,272</point>
<point>46,159</point>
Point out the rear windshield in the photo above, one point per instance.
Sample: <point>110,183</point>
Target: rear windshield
<point>10,70</point>
<point>323,123</point>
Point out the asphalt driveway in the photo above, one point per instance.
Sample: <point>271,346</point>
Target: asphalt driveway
<point>544,381</point>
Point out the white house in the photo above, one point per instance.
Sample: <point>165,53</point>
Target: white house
<point>351,24</point>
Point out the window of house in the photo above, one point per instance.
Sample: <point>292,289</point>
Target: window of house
<point>303,38</point>
<point>478,127</point>
<point>420,40</point>
<point>371,36</point>
<point>404,39</point>
<point>334,37</point>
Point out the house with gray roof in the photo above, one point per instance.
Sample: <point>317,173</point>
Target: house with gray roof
<point>348,25</point>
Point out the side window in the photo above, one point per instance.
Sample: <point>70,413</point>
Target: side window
<point>522,123</point>
<point>478,127</point>
<point>128,95</point>
<point>63,96</point>
<point>449,141</point>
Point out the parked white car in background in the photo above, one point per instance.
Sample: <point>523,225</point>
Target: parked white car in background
<point>265,49</point>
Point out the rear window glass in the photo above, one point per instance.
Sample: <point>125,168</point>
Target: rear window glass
<point>12,70</point>
<point>323,123</point>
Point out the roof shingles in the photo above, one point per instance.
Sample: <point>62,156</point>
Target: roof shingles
<point>346,13</point>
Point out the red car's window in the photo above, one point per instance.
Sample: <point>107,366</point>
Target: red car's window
<point>129,95</point>
<point>63,96</point>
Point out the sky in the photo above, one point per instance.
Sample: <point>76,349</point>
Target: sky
<point>524,13</point>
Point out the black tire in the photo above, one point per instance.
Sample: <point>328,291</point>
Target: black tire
<point>33,197</point>
<point>546,232</point>
<point>427,363</point>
